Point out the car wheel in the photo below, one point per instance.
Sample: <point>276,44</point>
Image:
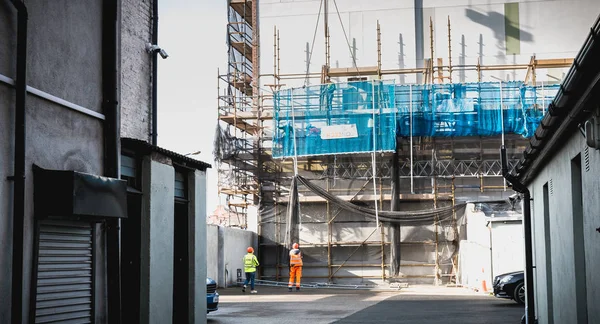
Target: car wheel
<point>519,294</point>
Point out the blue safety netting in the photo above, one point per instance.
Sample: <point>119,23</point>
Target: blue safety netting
<point>341,118</point>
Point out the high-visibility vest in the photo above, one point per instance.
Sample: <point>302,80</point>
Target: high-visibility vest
<point>295,257</point>
<point>250,262</point>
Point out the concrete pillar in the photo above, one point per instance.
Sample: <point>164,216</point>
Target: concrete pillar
<point>157,228</point>
<point>197,236</point>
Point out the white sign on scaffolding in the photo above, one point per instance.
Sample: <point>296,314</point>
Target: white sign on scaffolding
<point>339,131</point>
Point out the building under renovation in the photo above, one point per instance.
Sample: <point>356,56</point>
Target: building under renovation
<point>362,129</point>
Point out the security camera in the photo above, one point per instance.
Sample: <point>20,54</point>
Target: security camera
<point>514,196</point>
<point>163,53</point>
<point>151,49</point>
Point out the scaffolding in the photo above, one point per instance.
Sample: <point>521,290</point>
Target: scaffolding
<point>429,153</point>
<point>238,132</point>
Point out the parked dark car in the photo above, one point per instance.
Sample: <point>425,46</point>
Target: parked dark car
<point>510,285</point>
<point>212,296</point>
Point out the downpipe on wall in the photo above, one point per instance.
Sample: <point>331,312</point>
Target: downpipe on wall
<point>520,188</point>
<point>154,73</point>
<point>19,165</point>
<point>112,149</point>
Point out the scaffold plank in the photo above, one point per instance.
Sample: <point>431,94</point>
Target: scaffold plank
<point>243,8</point>
<point>240,123</point>
<point>353,71</point>
<point>243,47</point>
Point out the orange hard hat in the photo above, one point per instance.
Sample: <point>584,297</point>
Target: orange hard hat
<point>295,245</point>
<point>250,249</point>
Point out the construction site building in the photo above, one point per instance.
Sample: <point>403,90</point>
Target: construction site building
<point>342,111</point>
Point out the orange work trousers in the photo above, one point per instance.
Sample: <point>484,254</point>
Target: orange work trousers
<point>295,272</point>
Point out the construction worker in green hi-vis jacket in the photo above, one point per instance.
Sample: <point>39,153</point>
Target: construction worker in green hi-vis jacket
<point>250,264</point>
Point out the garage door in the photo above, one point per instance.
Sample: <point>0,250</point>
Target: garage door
<point>64,290</point>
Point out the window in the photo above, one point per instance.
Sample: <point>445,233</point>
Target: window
<point>130,171</point>
<point>180,185</point>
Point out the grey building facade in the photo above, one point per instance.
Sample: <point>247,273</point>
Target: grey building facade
<point>75,77</point>
<point>559,171</point>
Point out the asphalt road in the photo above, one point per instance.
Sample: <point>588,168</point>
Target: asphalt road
<point>413,305</point>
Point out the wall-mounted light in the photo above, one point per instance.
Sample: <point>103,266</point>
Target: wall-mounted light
<point>592,132</point>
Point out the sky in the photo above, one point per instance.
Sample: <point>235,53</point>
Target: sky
<point>193,34</point>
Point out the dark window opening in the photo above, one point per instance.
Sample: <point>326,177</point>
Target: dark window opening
<point>181,256</point>
<point>548,250</point>
<point>578,240</point>
<point>130,258</point>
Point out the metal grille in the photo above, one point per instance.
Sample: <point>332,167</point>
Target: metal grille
<point>211,288</point>
<point>586,154</point>
<point>64,291</point>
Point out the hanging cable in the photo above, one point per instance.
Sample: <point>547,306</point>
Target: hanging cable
<point>294,132</point>
<point>346,36</point>
<point>312,46</point>
<point>295,155</point>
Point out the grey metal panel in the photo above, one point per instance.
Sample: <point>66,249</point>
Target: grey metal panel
<point>64,291</point>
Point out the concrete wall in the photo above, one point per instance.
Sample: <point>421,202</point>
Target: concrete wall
<point>561,269</point>
<point>197,234</point>
<point>156,296</point>
<point>212,252</point>
<point>64,48</point>
<point>136,69</point>
<point>545,28</point>
<point>157,222</point>
<point>8,27</point>
<point>236,241</point>
<point>227,247</point>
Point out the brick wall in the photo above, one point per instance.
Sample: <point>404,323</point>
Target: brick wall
<point>136,69</point>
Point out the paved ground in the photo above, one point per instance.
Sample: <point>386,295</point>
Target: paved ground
<point>410,305</point>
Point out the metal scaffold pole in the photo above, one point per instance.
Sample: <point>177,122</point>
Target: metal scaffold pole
<point>329,234</point>
<point>436,225</point>
<point>410,123</point>
<point>373,160</point>
<point>502,122</point>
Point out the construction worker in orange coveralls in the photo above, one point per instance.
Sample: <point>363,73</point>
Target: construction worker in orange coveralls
<point>295,267</point>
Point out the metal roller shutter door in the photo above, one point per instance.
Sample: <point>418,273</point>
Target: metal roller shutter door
<point>64,291</point>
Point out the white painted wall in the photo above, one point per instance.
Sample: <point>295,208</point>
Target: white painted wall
<point>494,246</point>
<point>558,172</point>
<point>508,249</point>
<point>472,259</point>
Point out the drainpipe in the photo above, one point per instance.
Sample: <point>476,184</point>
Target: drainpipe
<point>154,73</point>
<point>521,188</point>
<point>19,165</point>
<point>112,149</point>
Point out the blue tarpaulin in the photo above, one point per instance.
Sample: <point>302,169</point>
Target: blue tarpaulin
<point>340,118</point>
